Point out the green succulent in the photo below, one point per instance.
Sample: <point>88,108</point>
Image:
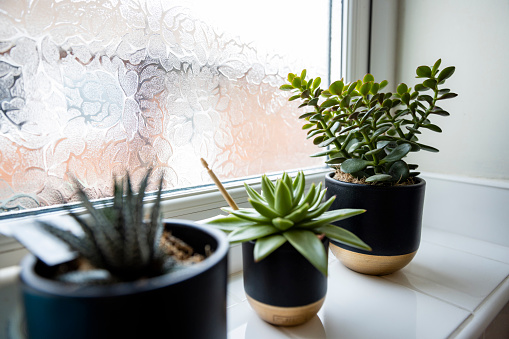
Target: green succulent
<point>283,212</point>
<point>368,132</point>
<point>117,241</point>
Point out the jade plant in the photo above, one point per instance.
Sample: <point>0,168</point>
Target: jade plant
<point>116,241</point>
<point>368,132</point>
<point>282,212</point>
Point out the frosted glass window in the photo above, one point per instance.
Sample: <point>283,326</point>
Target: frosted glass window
<point>94,88</point>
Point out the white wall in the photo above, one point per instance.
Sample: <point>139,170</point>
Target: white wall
<point>472,35</point>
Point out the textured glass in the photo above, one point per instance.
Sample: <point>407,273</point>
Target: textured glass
<point>89,89</point>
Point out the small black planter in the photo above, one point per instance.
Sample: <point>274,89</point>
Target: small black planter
<point>284,288</point>
<point>391,224</point>
<point>190,303</point>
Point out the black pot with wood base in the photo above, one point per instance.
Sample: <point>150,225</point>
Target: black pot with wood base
<point>284,288</point>
<point>189,303</point>
<point>391,224</point>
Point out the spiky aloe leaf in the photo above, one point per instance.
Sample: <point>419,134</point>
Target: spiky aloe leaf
<point>117,239</point>
<point>343,236</point>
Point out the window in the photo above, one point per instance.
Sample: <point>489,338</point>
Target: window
<point>94,88</point>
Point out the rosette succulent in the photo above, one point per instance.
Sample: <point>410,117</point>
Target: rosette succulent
<point>367,132</point>
<point>116,241</point>
<point>283,212</point>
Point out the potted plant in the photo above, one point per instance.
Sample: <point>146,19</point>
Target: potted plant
<point>127,281</point>
<point>366,134</point>
<point>284,240</point>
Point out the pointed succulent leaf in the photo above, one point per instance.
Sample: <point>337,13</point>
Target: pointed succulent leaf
<point>343,236</point>
<point>321,209</point>
<point>268,190</point>
<point>249,214</point>
<point>435,67</point>
<point>299,190</point>
<point>299,214</point>
<point>289,183</point>
<point>308,244</point>
<point>283,197</point>
<point>267,245</point>
<point>318,199</point>
<point>227,223</point>
<point>282,223</point>
<point>253,194</point>
<point>242,234</point>
<point>331,216</point>
<point>308,198</point>
<point>263,209</point>
<point>428,148</point>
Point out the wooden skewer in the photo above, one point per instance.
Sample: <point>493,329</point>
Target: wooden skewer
<point>219,185</point>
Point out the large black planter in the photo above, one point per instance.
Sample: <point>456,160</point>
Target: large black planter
<point>391,224</point>
<point>190,303</point>
<point>284,288</point>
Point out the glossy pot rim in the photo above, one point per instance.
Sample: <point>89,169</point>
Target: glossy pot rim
<point>329,179</point>
<point>29,277</point>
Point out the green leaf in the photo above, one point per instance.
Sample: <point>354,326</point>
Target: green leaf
<point>303,74</point>
<point>263,209</point>
<point>249,214</point>
<point>268,190</point>
<point>351,87</point>
<point>297,82</point>
<point>318,140</point>
<point>291,76</point>
<point>295,97</point>
<point>327,142</point>
<point>251,233</point>
<point>308,198</point>
<point>420,88</point>
<point>335,127</point>
<point>379,177</point>
<point>308,244</point>
<point>299,213</point>
<point>432,127</point>
<point>282,223</point>
<point>435,67</point>
<point>300,185</point>
<point>322,208</point>
<point>383,84</point>
<point>374,88</point>
<point>331,216</point>
<point>413,130</point>
<point>329,103</point>
<point>368,78</point>
<point>426,98</point>
<point>343,236</point>
<point>448,96</point>
<point>283,196</point>
<point>253,194</point>
<point>267,245</point>
<point>428,148</point>
<point>402,88</point>
<point>430,83</point>
<point>397,153</point>
<point>317,82</point>
<point>399,171</point>
<point>354,165</point>
<point>345,101</point>
<point>439,111</point>
<point>423,72</point>
<point>286,87</point>
<point>227,222</point>
<point>324,153</point>
<point>336,87</point>
<point>446,73</point>
<point>364,90</point>
<point>307,126</point>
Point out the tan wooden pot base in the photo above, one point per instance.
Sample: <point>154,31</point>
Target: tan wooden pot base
<point>285,316</point>
<point>371,264</point>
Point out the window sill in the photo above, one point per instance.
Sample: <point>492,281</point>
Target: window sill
<point>444,292</point>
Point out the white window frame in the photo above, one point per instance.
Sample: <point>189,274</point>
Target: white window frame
<point>355,50</point>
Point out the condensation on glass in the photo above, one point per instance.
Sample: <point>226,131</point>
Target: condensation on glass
<point>90,89</point>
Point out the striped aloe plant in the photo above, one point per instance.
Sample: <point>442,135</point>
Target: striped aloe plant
<point>117,241</point>
<point>283,212</point>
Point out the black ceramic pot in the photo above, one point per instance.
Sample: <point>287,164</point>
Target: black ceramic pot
<point>190,303</point>
<point>284,288</point>
<point>391,224</point>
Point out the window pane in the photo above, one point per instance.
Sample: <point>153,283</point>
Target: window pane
<point>93,88</point>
